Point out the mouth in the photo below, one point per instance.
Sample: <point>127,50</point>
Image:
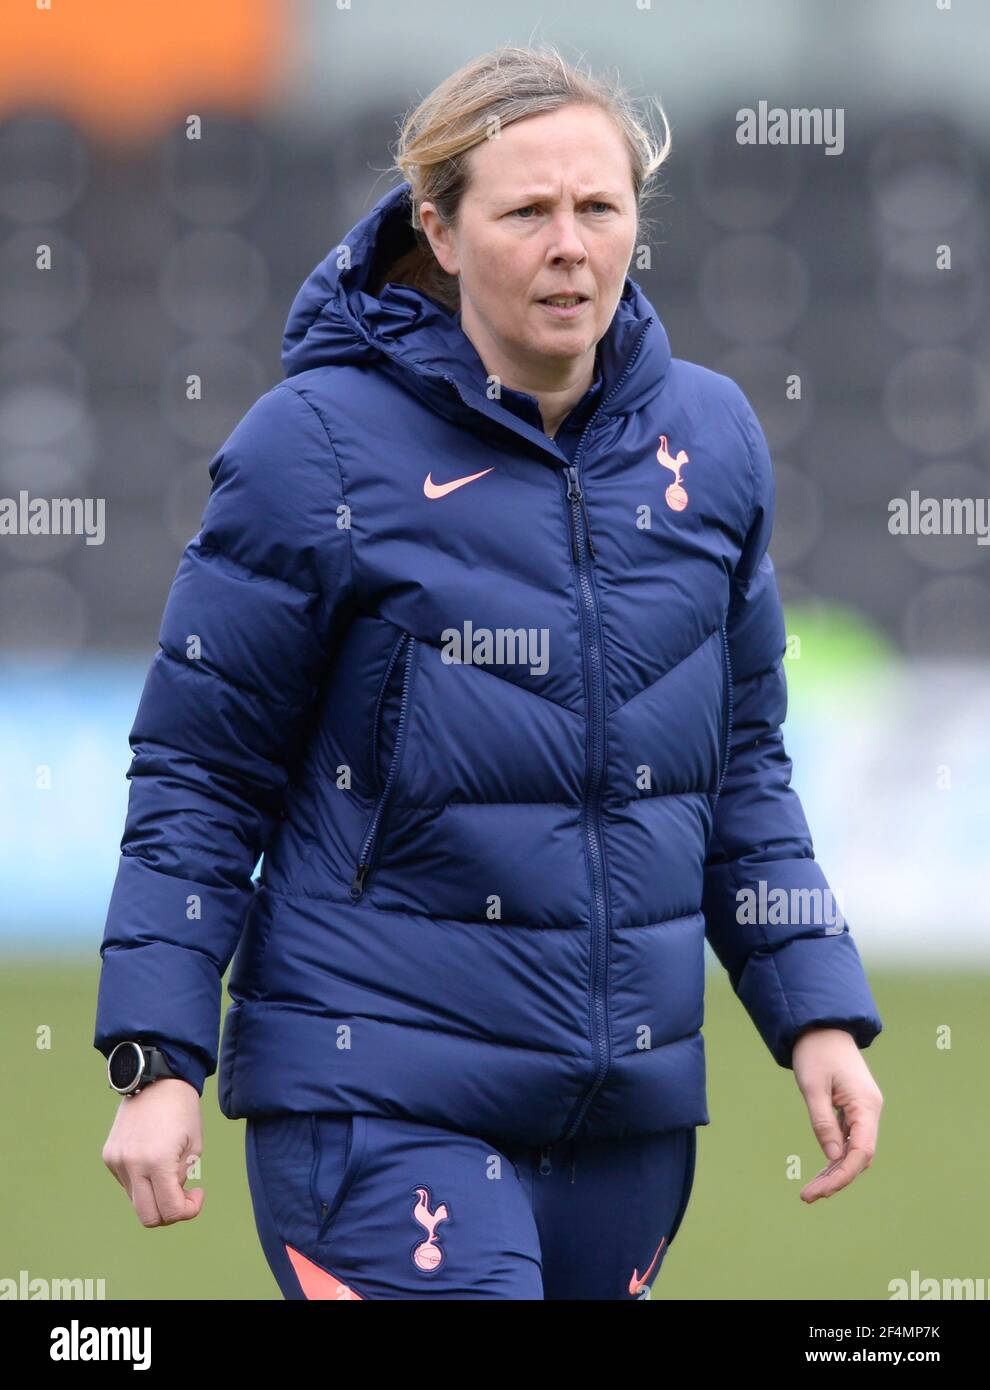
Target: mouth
<point>564,306</point>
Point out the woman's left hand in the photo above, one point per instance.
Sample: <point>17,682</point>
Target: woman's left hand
<point>831,1073</point>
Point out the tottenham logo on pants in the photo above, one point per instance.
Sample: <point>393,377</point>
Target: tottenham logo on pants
<point>427,1254</point>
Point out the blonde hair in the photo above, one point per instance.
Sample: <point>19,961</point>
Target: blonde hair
<point>484,96</point>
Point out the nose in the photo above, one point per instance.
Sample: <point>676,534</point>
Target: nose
<point>565,243</point>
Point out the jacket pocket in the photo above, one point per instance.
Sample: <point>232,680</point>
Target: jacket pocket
<point>402,656</point>
<point>726,743</point>
<point>339,1146</point>
<point>376,724</point>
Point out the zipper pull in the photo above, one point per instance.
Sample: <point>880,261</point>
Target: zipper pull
<point>545,1159</point>
<point>573,495</point>
<point>357,887</point>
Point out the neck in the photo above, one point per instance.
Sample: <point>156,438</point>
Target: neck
<point>556,383</point>
<point>556,406</point>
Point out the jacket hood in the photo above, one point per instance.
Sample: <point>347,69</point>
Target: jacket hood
<point>334,320</point>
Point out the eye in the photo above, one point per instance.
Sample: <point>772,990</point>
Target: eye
<point>530,207</point>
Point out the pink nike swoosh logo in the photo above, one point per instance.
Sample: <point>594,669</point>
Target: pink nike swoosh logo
<point>636,1283</point>
<point>433,489</point>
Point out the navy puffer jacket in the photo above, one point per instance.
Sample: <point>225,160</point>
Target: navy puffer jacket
<point>502,714</point>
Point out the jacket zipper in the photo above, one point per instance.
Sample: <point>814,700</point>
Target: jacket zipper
<point>727,740</point>
<point>366,855</point>
<point>575,494</point>
<point>593,660</point>
<point>400,642</point>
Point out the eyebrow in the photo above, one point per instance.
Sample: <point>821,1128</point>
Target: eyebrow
<point>539,195</point>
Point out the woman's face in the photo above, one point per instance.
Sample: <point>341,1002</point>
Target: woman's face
<point>550,209</point>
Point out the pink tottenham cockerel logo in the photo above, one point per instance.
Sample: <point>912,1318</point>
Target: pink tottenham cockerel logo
<point>427,1255</point>
<point>676,494</point>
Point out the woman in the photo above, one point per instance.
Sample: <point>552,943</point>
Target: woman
<point>480,643</point>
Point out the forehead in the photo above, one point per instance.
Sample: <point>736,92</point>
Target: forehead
<point>579,149</point>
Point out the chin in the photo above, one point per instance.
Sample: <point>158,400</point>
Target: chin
<point>552,346</point>
<point>574,335</point>
<point>564,342</point>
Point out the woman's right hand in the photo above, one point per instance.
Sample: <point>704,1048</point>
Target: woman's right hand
<point>155,1136</point>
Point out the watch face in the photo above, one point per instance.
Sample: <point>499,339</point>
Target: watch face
<point>125,1064</point>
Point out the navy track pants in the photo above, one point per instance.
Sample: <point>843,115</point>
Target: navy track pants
<point>364,1207</point>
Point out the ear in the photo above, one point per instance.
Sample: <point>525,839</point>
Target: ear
<point>440,237</point>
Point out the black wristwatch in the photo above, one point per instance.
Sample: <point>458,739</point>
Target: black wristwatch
<point>133,1065</point>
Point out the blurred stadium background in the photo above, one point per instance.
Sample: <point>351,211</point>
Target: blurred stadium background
<point>173,256</point>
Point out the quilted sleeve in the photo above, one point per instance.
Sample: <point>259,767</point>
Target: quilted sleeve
<point>255,610</point>
<point>790,956</point>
